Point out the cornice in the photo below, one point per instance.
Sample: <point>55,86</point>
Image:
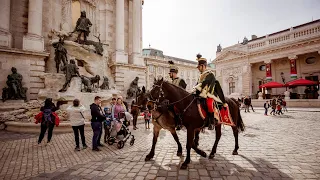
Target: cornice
<point>19,51</point>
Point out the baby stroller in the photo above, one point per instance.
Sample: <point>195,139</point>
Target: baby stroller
<point>118,128</point>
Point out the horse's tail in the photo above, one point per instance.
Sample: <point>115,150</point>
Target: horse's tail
<point>240,124</point>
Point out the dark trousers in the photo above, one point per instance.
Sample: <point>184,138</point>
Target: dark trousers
<point>265,111</point>
<point>44,128</point>
<point>135,118</point>
<point>273,111</point>
<point>97,131</point>
<point>76,130</point>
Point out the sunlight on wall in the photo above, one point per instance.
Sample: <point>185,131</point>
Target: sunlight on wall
<point>75,12</point>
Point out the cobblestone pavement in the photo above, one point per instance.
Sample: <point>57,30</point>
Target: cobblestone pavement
<point>272,147</point>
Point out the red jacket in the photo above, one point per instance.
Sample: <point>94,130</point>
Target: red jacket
<point>38,118</point>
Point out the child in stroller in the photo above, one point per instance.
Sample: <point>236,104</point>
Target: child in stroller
<point>118,128</point>
<point>107,123</point>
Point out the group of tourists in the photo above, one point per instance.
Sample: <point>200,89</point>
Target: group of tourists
<point>277,105</point>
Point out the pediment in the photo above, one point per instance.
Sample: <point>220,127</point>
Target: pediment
<point>229,54</point>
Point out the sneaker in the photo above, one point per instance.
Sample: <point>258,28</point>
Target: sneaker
<point>96,149</point>
<point>77,148</point>
<point>85,146</point>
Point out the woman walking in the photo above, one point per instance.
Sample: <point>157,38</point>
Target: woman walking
<point>48,119</point>
<point>76,118</point>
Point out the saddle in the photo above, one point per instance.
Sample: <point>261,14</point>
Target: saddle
<point>209,106</point>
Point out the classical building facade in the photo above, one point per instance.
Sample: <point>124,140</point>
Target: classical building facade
<point>157,67</point>
<point>26,37</point>
<point>281,56</point>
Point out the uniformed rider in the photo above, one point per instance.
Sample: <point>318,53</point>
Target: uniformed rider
<point>208,88</point>
<point>173,73</point>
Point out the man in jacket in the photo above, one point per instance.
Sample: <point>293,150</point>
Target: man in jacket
<point>173,73</point>
<point>96,123</point>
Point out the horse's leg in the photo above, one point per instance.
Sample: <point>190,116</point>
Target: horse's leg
<point>196,143</point>
<point>235,134</point>
<point>218,136</point>
<point>176,138</point>
<point>190,136</point>
<point>156,131</point>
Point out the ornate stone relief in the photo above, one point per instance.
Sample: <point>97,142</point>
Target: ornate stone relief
<point>232,71</point>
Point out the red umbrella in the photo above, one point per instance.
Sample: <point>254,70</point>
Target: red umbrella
<point>272,84</point>
<point>301,82</point>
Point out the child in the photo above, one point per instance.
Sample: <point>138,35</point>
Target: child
<point>279,108</point>
<point>147,117</point>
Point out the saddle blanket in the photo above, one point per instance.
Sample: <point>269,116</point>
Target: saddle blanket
<point>223,116</point>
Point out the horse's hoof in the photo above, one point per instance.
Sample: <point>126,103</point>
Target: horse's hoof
<point>148,158</point>
<point>179,154</point>
<point>203,154</point>
<point>234,153</point>
<point>211,156</point>
<point>184,166</point>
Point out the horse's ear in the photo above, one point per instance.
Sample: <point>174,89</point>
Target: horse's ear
<point>143,89</point>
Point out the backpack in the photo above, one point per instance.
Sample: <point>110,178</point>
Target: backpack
<point>47,116</point>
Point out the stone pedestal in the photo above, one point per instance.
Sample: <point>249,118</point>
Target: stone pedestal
<point>260,94</point>
<point>286,95</point>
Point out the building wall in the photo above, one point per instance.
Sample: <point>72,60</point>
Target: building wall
<point>18,21</point>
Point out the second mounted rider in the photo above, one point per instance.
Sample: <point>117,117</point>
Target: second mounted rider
<point>173,73</point>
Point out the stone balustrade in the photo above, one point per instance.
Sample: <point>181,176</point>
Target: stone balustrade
<point>290,35</point>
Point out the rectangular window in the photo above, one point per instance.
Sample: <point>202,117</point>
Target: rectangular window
<point>232,87</point>
<point>151,68</point>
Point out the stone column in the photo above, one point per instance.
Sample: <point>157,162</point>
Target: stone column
<point>120,55</point>
<point>136,24</point>
<point>33,40</point>
<point>5,35</point>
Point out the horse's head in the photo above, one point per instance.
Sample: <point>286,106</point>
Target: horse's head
<point>156,93</point>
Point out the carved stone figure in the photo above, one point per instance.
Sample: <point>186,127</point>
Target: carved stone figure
<point>14,89</point>
<point>89,83</point>
<point>245,41</point>
<point>105,84</point>
<point>71,70</point>
<point>219,48</point>
<point>133,88</point>
<point>82,27</point>
<point>60,53</point>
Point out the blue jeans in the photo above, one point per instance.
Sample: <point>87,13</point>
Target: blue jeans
<point>97,130</point>
<point>265,111</point>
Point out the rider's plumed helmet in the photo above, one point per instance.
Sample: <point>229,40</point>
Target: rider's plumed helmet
<point>201,60</point>
<point>173,68</point>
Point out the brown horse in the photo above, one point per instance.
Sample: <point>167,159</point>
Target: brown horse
<point>161,119</point>
<point>191,119</point>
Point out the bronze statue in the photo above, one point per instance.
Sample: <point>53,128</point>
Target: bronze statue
<point>82,27</point>
<point>133,89</point>
<point>245,41</point>
<point>89,83</point>
<point>14,89</point>
<point>71,70</point>
<point>105,84</point>
<point>219,48</point>
<point>60,53</point>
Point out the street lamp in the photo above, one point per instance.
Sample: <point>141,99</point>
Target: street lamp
<point>283,79</point>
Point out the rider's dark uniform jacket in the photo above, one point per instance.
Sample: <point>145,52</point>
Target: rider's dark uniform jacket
<point>209,87</point>
<point>179,82</point>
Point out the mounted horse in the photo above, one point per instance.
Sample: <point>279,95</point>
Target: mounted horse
<point>186,103</point>
<point>162,119</point>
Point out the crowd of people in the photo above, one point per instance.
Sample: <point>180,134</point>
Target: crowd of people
<point>48,119</point>
<point>276,105</point>
<point>245,103</point>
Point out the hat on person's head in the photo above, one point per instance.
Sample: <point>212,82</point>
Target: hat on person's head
<point>173,67</point>
<point>201,60</point>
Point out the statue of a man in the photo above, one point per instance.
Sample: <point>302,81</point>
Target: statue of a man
<point>60,53</point>
<point>133,87</point>
<point>71,70</point>
<point>82,26</point>
<point>15,89</point>
<point>219,48</point>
